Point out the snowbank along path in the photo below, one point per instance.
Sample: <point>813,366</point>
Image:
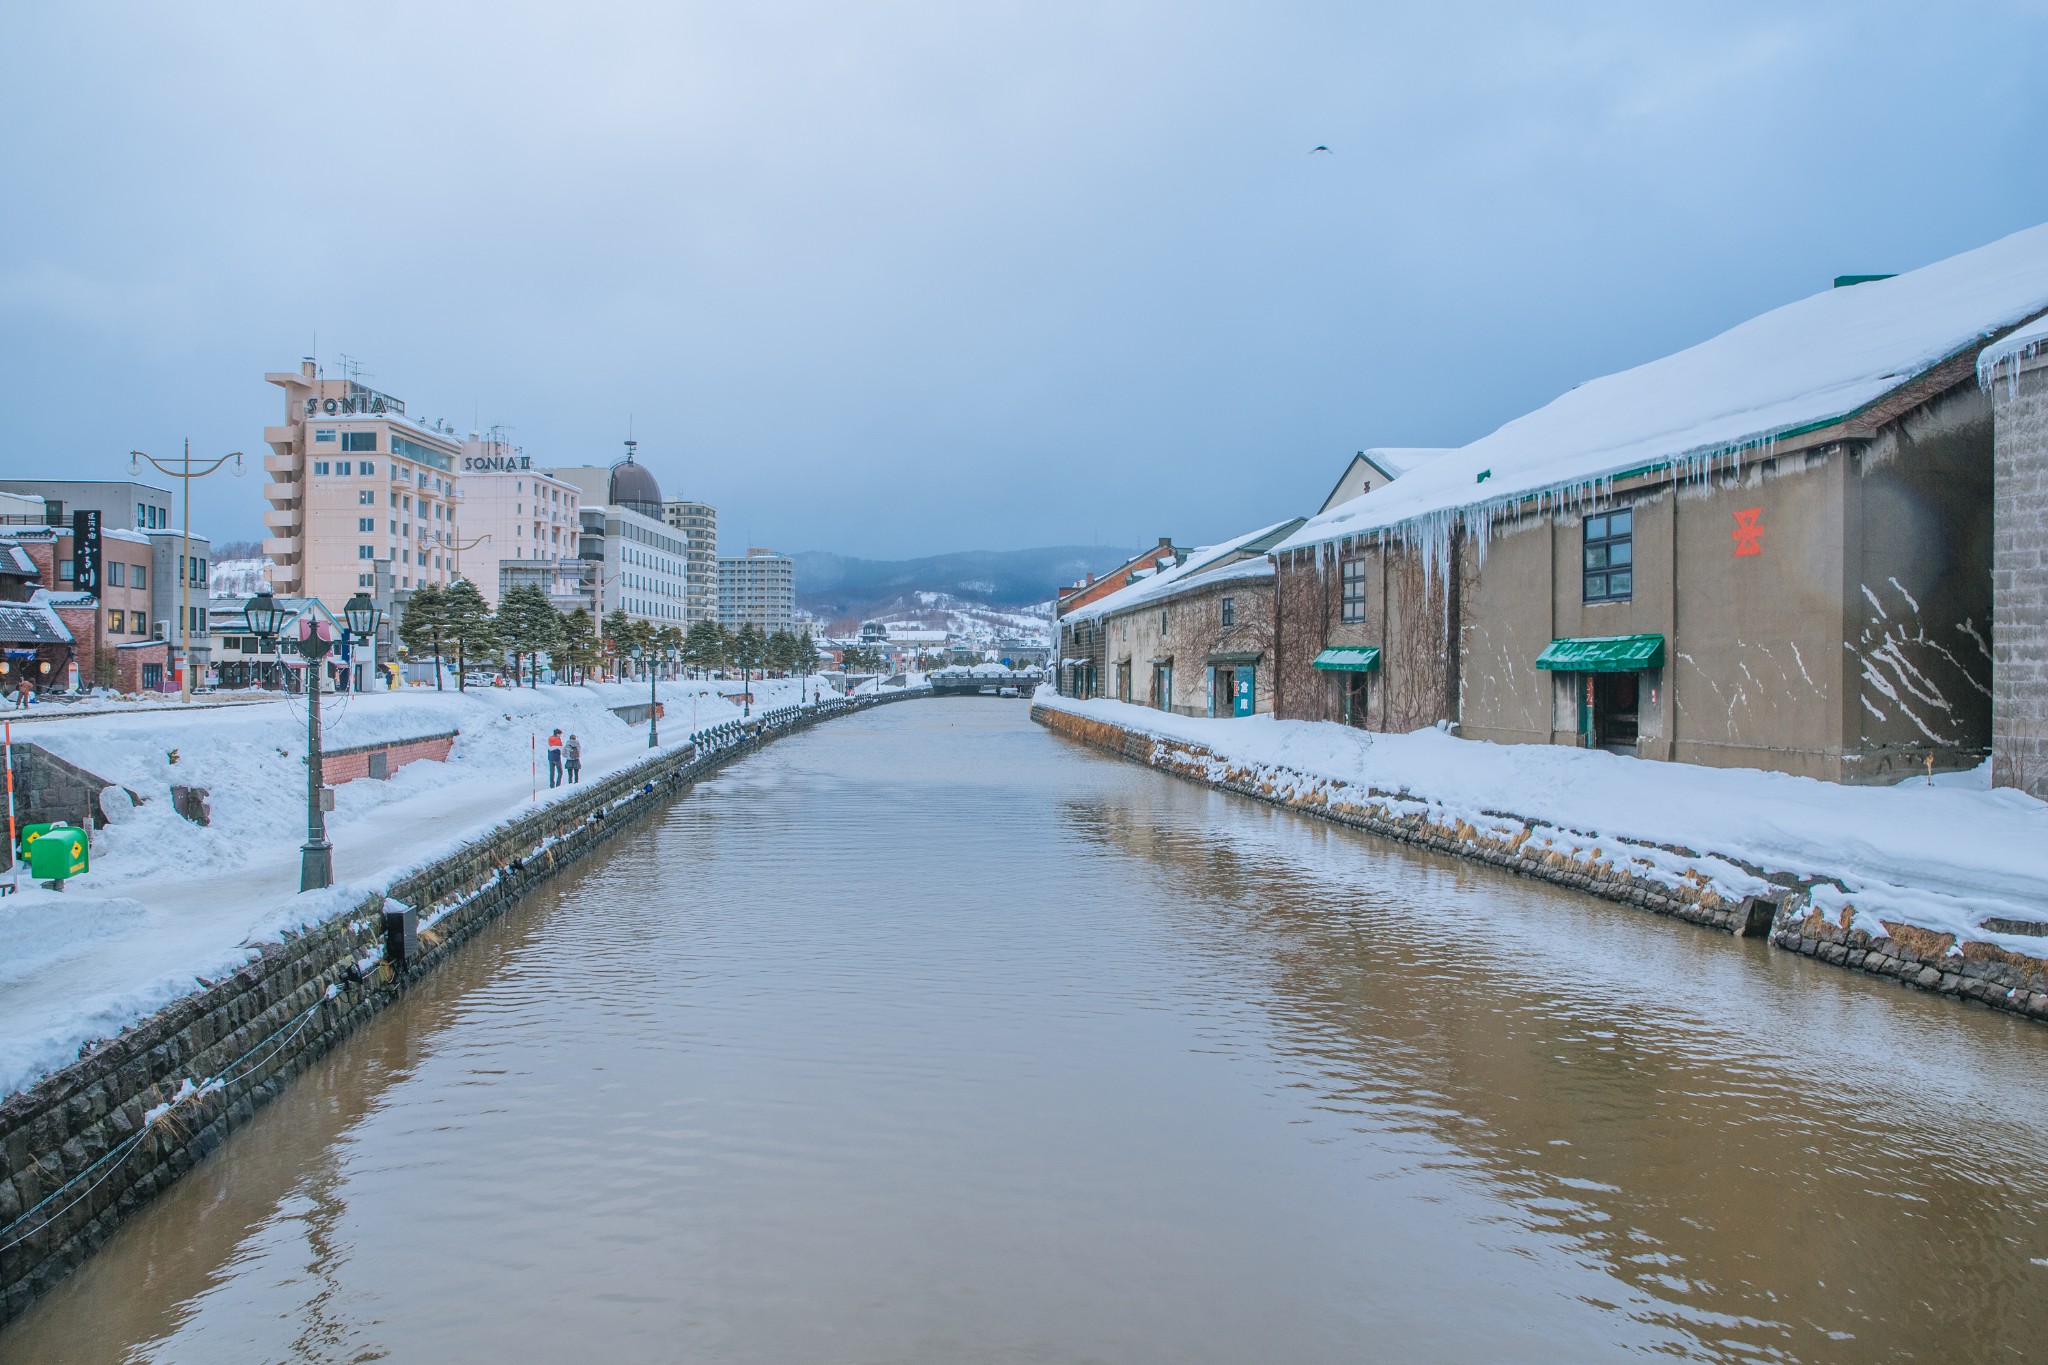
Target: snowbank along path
<point>168,901</point>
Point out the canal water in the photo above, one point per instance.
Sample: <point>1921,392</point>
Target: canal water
<point>927,1037</point>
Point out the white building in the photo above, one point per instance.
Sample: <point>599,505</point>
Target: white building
<point>644,560</point>
<point>760,587</point>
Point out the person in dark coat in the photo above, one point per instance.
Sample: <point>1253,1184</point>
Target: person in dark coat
<point>572,758</point>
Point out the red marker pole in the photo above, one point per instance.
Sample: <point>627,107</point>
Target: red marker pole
<point>13,852</point>
<point>533,763</point>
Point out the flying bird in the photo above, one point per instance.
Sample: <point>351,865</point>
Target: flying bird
<point>1313,150</point>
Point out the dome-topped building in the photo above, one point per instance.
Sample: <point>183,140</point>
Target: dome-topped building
<point>633,486</point>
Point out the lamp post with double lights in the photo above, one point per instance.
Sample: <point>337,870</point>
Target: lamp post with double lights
<point>186,469</point>
<point>315,638</point>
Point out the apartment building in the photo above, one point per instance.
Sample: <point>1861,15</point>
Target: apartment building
<point>757,587</point>
<point>512,513</point>
<point>698,521</point>
<point>355,481</point>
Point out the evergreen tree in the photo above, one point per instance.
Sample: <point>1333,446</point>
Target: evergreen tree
<point>470,628</point>
<point>749,648</point>
<point>669,640</point>
<point>618,637</point>
<point>579,642</point>
<point>424,626</point>
<point>704,646</point>
<point>529,625</point>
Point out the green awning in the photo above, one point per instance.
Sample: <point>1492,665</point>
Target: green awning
<point>1604,654</point>
<point>1350,658</point>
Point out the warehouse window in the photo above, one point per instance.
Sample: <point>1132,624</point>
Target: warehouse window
<point>1352,576</point>
<point>1610,557</point>
<point>1230,611</point>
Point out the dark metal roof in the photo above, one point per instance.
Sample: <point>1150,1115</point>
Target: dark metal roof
<point>634,487</point>
<point>31,623</point>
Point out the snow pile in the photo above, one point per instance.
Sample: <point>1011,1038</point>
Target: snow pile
<point>1807,364</point>
<point>238,577</point>
<point>167,901</point>
<point>1944,857</point>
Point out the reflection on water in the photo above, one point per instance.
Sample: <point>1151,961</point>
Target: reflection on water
<point>928,1037</point>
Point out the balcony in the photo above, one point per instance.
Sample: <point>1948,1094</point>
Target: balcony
<point>278,436</point>
<point>275,463</point>
<point>281,494</point>
<point>282,521</point>
<point>283,549</point>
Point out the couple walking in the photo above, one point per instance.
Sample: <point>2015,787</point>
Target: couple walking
<point>564,754</point>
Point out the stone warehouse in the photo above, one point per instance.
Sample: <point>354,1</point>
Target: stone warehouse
<point>1773,550</point>
<point>1196,636</point>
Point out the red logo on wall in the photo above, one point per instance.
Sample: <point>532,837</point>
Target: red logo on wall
<point>1748,535</point>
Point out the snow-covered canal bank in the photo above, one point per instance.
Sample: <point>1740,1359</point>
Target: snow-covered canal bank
<point>928,1036</point>
<point>168,902</point>
<point>1952,857</point>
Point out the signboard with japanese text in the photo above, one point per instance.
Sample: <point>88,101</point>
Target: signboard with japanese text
<point>85,550</point>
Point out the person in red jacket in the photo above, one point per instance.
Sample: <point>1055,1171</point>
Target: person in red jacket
<point>555,759</point>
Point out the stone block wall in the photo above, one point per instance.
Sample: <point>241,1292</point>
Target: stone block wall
<point>47,789</point>
<point>1978,971</point>
<point>103,1136</point>
<point>2019,579</point>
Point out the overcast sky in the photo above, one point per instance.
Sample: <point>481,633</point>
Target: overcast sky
<point>896,279</point>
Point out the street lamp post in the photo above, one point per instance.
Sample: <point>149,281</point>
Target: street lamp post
<point>265,620</point>
<point>187,471</point>
<point>649,655</point>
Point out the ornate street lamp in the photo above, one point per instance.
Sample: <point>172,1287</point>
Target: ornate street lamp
<point>264,617</point>
<point>362,618</point>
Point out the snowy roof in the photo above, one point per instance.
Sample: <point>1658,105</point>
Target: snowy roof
<point>34,622</point>
<point>2029,340</point>
<point>1167,581</point>
<point>1805,365</point>
<point>1394,461</point>
<point>15,562</point>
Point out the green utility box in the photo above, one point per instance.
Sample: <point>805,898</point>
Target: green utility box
<point>54,852</point>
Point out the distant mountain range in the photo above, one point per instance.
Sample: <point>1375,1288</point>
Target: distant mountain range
<point>840,587</point>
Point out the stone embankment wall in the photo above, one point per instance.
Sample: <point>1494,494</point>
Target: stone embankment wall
<point>89,1145</point>
<point>1977,971</point>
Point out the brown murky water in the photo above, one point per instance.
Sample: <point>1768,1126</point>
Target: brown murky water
<point>927,1037</point>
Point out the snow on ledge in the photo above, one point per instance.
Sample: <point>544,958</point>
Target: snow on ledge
<point>1943,857</point>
